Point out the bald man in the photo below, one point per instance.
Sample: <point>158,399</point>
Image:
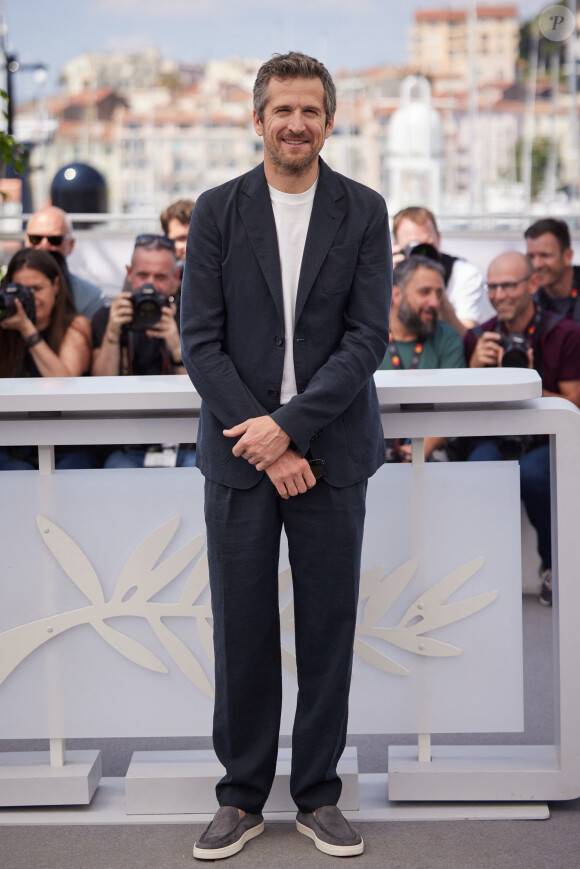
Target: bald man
<point>50,229</point>
<point>550,344</point>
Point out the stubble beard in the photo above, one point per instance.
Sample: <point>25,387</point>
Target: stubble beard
<point>291,167</point>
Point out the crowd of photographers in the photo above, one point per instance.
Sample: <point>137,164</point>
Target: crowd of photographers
<point>54,324</point>
<point>526,313</point>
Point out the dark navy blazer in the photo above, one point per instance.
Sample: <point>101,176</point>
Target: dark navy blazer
<point>232,325</point>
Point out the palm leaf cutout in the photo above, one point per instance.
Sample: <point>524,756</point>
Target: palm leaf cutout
<point>284,580</point>
<point>183,657</point>
<point>205,631</point>
<point>438,593</point>
<point>169,569</point>
<point>377,659</point>
<point>287,616</point>
<point>383,594</point>
<point>289,662</point>
<point>140,573</point>
<point>72,559</point>
<point>129,648</point>
<point>430,606</point>
<point>197,580</point>
<point>144,557</point>
<point>368,581</point>
<point>406,638</point>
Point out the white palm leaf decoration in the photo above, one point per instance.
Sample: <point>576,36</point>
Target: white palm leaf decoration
<point>140,575</point>
<point>72,559</point>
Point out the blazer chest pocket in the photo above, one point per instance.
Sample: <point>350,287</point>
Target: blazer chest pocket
<point>338,268</point>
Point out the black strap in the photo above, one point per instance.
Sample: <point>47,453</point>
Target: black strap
<point>547,322</point>
<point>448,261</point>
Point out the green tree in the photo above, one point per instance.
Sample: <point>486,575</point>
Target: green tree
<point>11,151</point>
<point>546,47</point>
<point>540,156</point>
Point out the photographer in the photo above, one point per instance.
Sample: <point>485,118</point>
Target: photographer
<point>139,334</point>
<point>522,335</point>
<point>41,335</point>
<point>157,350</point>
<point>417,337</point>
<point>465,302</point>
<point>51,339</point>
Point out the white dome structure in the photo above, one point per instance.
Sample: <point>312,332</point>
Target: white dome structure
<point>415,148</point>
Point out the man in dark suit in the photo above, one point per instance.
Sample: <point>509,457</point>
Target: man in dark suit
<point>285,302</point>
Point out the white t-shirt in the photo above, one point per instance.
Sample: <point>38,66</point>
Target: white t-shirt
<point>466,293</point>
<point>292,215</point>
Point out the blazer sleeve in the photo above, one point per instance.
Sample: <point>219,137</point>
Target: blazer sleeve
<point>203,318</point>
<point>363,344</point>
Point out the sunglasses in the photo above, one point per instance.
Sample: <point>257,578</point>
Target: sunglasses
<point>54,240</point>
<point>159,241</point>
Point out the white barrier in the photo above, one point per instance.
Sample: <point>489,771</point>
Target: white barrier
<point>466,673</point>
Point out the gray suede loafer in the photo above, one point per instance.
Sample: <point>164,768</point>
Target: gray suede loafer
<point>227,834</point>
<point>330,832</point>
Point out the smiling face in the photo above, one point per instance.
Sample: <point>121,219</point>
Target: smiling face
<point>550,262</point>
<point>45,292</point>
<point>509,291</point>
<point>420,302</point>
<point>294,129</point>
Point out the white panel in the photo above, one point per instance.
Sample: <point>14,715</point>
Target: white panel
<point>105,628</point>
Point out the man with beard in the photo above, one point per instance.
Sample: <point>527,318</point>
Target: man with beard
<point>285,298</point>
<point>417,338</point>
<point>551,345</point>
<point>465,302</point>
<point>549,248</point>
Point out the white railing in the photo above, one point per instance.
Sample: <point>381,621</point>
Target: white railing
<point>48,412</point>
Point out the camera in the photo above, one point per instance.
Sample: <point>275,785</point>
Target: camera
<point>421,248</point>
<point>25,296</point>
<point>515,351</point>
<point>147,306</point>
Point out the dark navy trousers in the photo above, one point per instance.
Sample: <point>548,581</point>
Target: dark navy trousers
<point>324,528</point>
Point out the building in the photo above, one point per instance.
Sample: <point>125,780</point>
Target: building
<point>440,45</point>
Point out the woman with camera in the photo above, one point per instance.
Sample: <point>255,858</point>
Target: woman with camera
<point>41,335</point>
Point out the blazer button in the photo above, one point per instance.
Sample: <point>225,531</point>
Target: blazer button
<point>273,392</point>
<point>279,341</point>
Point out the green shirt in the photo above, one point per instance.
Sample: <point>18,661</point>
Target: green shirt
<point>444,349</point>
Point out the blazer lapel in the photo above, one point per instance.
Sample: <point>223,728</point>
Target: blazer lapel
<point>328,211</point>
<point>258,218</point>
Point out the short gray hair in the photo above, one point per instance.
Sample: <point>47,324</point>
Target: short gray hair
<point>405,270</point>
<point>293,65</point>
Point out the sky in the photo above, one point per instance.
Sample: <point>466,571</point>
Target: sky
<point>344,34</point>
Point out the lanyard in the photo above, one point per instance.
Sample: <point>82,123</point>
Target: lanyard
<point>572,305</point>
<point>396,359</point>
<point>530,329</point>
